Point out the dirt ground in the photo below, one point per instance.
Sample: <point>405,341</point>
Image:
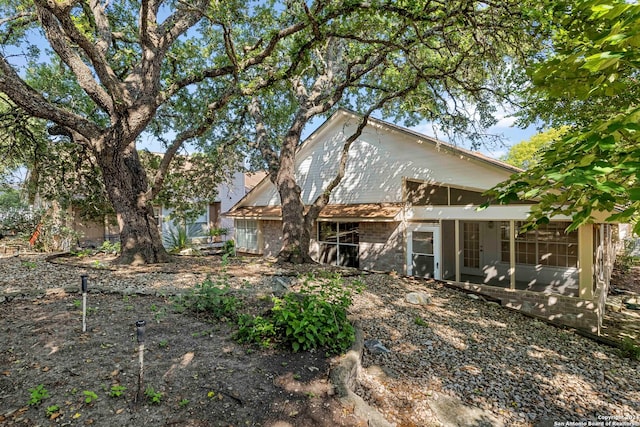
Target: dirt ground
<point>199,374</point>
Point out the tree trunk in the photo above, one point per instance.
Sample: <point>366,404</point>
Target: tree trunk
<point>126,185</point>
<point>296,235</point>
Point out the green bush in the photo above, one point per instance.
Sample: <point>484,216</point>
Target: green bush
<point>255,329</point>
<point>20,221</point>
<point>229,248</point>
<point>316,317</point>
<point>110,247</point>
<point>628,348</point>
<point>213,298</point>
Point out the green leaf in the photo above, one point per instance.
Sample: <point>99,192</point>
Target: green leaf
<point>600,61</point>
<point>610,186</point>
<point>634,193</point>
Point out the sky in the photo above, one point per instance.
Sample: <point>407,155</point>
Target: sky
<point>504,127</point>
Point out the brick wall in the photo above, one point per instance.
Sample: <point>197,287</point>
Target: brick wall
<point>569,311</point>
<point>381,246</point>
<point>271,237</point>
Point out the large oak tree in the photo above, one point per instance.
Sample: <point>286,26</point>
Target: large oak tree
<point>111,69</point>
<point>449,62</point>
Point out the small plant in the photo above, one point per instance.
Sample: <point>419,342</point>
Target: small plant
<point>52,410</point>
<point>117,390</point>
<point>77,303</point>
<point>625,259</point>
<point>89,396</point>
<point>183,403</point>
<point>179,238</point>
<point>628,348</point>
<point>229,248</point>
<point>255,329</point>
<point>81,253</point>
<point>420,321</point>
<point>211,297</point>
<point>110,247</point>
<point>153,396</point>
<point>38,393</point>
<point>29,264</point>
<point>163,343</point>
<point>97,264</point>
<point>215,232</point>
<point>159,314</point>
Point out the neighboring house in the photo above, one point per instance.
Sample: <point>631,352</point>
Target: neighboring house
<point>408,203</point>
<point>94,233</point>
<point>228,195</point>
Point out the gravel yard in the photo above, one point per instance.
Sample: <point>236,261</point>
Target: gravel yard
<point>521,371</point>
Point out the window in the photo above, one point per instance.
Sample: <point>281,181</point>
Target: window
<point>339,243</point>
<point>547,245</point>
<point>423,193</point>
<point>247,234</point>
<point>200,225</point>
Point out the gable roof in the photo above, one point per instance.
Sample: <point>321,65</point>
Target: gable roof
<point>343,114</point>
<point>425,138</point>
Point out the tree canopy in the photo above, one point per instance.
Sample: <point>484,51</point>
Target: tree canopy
<point>588,80</point>
<point>435,60</point>
<point>113,70</point>
<point>526,154</point>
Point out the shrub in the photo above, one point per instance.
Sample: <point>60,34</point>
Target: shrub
<point>110,247</point>
<point>212,297</point>
<point>628,348</point>
<point>178,238</point>
<point>316,317</point>
<point>19,220</point>
<point>229,248</point>
<point>256,329</point>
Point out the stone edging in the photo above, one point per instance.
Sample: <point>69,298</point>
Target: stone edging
<point>343,377</point>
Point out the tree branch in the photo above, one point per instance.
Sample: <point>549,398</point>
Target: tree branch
<point>38,106</point>
<point>57,32</point>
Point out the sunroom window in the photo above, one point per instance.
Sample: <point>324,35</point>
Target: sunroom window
<point>548,245</point>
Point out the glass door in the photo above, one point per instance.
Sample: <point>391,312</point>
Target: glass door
<point>423,251</point>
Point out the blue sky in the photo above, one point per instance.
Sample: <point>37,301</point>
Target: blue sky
<point>504,128</point>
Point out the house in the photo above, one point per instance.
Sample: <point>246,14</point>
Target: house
<point>409,203</point>
<point>93,233</point>
<point>228,195</point>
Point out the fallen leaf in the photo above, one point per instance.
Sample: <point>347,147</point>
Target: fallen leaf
<point>6,373</point>
<point>76,415</point>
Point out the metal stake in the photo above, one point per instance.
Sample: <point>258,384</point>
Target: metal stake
<point>140,326</point>
<point>84,302</point>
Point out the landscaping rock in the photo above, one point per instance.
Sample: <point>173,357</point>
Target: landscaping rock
<point>376,347</point>
<point>418,298</point>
